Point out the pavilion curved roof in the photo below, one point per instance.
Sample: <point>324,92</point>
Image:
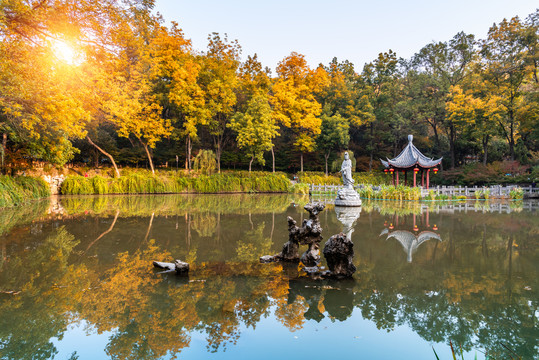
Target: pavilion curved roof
<point>411,156</point>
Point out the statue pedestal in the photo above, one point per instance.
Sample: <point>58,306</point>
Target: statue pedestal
<point>347,196</point>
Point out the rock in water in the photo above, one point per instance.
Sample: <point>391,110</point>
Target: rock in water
<point>164,265</point>
<point>181,267</point>
<point>339,254</point>
<point>310,233</point>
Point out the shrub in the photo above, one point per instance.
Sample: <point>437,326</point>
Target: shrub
<point>516,193</point>
<point>302,189</point>
<point>205,162</point>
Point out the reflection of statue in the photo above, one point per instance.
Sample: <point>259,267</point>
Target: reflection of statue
<point>346,171</point>
<point>348,216</point>
<point>347,196</point>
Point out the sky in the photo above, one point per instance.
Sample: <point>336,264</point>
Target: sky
<point>349,30</point>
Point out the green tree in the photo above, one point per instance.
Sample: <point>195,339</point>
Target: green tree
<point>334,135</point>
<point>256,128</point>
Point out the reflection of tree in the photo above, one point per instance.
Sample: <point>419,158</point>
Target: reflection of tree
<point>462,298</point>
<point>19,215</point>
<point>252,244</point>
<point>44,292</point>
<point>154,315</point>
<point>180,204</point>
<point>205,224</point>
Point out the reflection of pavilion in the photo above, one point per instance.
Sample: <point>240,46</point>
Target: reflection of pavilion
<point>410,240</point>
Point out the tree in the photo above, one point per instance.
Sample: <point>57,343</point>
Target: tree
<point>256,128</point>
<point>219,81</point>
<point>380,86</point>
<point>503,55</point>
<point>294,103</point>
<point>446,65</point>
<point>178,87</point>
<point>334,135</point>
<point>133,104</point>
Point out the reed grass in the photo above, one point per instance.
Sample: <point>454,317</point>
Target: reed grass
<point>144,183</point>
<point>21,189</point>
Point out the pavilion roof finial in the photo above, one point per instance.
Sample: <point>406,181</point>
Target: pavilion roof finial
<point>410,138</point>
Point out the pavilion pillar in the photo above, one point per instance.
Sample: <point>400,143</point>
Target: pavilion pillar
<point>397,172</point>
<point>415,174</point>
<point>428,171</point>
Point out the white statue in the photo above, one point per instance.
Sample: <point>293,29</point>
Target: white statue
<point>346,171</point>
<point>347,196</point>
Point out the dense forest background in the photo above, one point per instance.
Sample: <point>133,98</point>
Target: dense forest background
<point>106,83</point>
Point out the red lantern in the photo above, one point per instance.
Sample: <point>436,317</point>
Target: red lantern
<point>416,170</point>
<point>391,171</point>
<point>416,228</point>
<point>385,170</point>
<point>435,227</point>
<point>391,227</point>
<point>435,170</point>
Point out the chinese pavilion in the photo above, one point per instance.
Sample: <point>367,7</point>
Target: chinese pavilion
<point>411,159</point>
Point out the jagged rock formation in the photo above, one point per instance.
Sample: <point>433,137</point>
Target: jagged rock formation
<point>339,254</point>
<point>310,233</point>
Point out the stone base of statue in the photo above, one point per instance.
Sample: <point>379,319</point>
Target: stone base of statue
<point>347,196</point>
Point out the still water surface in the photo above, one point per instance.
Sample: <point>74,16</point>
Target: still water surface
<point>76,280</point>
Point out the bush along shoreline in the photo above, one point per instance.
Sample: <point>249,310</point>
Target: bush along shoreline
<point>140,183</point>
<point>18,190</point>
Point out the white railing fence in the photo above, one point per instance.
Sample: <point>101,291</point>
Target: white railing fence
<point>496,191</point>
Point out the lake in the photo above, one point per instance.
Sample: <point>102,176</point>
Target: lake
<point>76,280</point>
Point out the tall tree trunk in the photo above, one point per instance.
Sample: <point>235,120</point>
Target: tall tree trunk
<point>485,148</point>
<point>512,136</point>
<point>218,142</point>
<point>273,159</point>
<point>106,154</point>
<point>250,163</point>
<point>452,145</point>
<point>4,149</point>
<point>145,146</point>
<point>432,123</point>
<point>301,161</point>
<point>372,146</point>
<point>188,154</point>
<point>326,156</point>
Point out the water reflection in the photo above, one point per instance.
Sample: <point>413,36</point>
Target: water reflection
<point>348,217</point>
<point>477,288</point>
<point>411,239</point>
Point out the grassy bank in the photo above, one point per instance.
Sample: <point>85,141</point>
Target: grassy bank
<point>168,183</point>
<point>21,189</point>
<point>319,178</point>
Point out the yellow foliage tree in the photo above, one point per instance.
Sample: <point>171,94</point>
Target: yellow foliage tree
<point>294,102</point>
